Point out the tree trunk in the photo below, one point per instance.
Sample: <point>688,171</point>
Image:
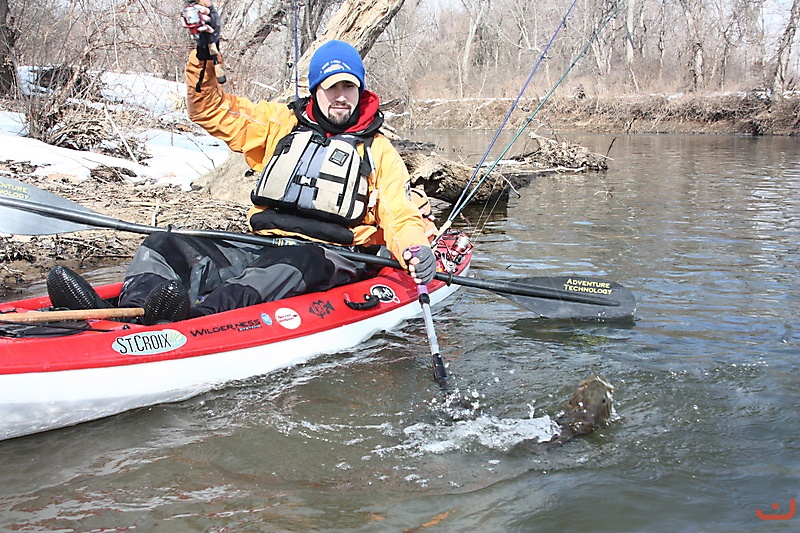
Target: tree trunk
<point>695,47</point>
<point>630,49</point>
<point>780,68</point>
<point>358,22</point>
<point>630,13</point>
<point>475,19</point>
<point>8,72</point>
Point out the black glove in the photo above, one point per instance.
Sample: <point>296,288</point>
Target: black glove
<point>425,269</point>
<point>207,38</point>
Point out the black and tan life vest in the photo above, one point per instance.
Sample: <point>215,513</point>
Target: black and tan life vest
<point>323,178</point>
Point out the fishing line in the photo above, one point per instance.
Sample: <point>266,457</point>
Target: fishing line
<point>461,204</point>
<point>456,206</point>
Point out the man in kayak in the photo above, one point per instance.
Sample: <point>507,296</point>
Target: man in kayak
<point>327,179</point>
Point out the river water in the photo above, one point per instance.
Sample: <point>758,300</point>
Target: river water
<point>704,229</point>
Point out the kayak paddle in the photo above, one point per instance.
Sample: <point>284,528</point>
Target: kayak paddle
<point>34,211</point>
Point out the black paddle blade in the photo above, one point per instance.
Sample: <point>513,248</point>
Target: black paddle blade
<point>579,285</point>
<point>19,222</point>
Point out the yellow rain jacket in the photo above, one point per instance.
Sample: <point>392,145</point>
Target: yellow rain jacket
<point>254,129</point>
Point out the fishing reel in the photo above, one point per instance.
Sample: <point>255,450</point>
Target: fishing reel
<point>456,252</point>
<point>192,19</point>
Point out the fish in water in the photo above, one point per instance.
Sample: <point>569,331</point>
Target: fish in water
<point>588,409</point>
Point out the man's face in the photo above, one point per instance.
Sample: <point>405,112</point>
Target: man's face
<point>338,102</point>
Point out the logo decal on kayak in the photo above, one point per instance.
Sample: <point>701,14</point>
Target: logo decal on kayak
<point>266,319</point>
<point>149,343</point>
<point>321,308</point>
<point>244,325</point>
<point>288,318</point>
<point>384,293</point>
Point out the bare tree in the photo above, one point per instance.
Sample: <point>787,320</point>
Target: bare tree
<point>630,27</point>
<point>8,70</point>
<point>778,78</point>
<point>476,9</point>
<point>696,57</point>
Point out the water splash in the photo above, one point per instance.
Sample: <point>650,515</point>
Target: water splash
<point>491,432</point>
<point>463,424</point>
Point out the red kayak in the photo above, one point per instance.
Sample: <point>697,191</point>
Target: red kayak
<point>58,374</point>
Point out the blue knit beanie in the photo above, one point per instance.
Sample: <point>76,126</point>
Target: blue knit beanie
<point>333,62</point>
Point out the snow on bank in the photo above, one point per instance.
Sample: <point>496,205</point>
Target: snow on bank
<point>178,158</point>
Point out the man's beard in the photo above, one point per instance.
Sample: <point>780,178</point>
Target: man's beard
<point>337,118</point>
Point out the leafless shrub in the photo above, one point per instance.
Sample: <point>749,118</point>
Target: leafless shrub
<point>69,125</point>
<point>57,107</point>
<point>63,108</point>
<point>76,82</point>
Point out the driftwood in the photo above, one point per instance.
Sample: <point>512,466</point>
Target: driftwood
<point>445,180</point>
<point>556,156</point>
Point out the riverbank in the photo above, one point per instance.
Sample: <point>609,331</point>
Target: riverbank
<point>751,113</point>
<point>26,259</point>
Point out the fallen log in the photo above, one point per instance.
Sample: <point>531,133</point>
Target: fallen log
<point>445,180</point>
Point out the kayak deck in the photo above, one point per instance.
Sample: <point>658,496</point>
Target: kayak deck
<point>54,381</point>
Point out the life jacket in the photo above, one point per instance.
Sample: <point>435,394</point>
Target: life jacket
<point>322,178</point>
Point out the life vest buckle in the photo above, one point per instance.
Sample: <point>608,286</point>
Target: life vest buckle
<point>305,181</point>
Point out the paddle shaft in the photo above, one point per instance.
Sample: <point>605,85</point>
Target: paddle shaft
<point>101,221</point>
<point>83,314</point>
<point>439,371</point>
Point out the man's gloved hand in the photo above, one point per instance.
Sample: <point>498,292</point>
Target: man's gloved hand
<point>421,263</point>
<point>207,33</point>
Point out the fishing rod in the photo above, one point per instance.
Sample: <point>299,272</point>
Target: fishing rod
<point>514,104</point>
<point>462,202</point>
<point>296,51</point>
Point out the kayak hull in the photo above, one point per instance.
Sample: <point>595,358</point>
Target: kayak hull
<point>52,382</point>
